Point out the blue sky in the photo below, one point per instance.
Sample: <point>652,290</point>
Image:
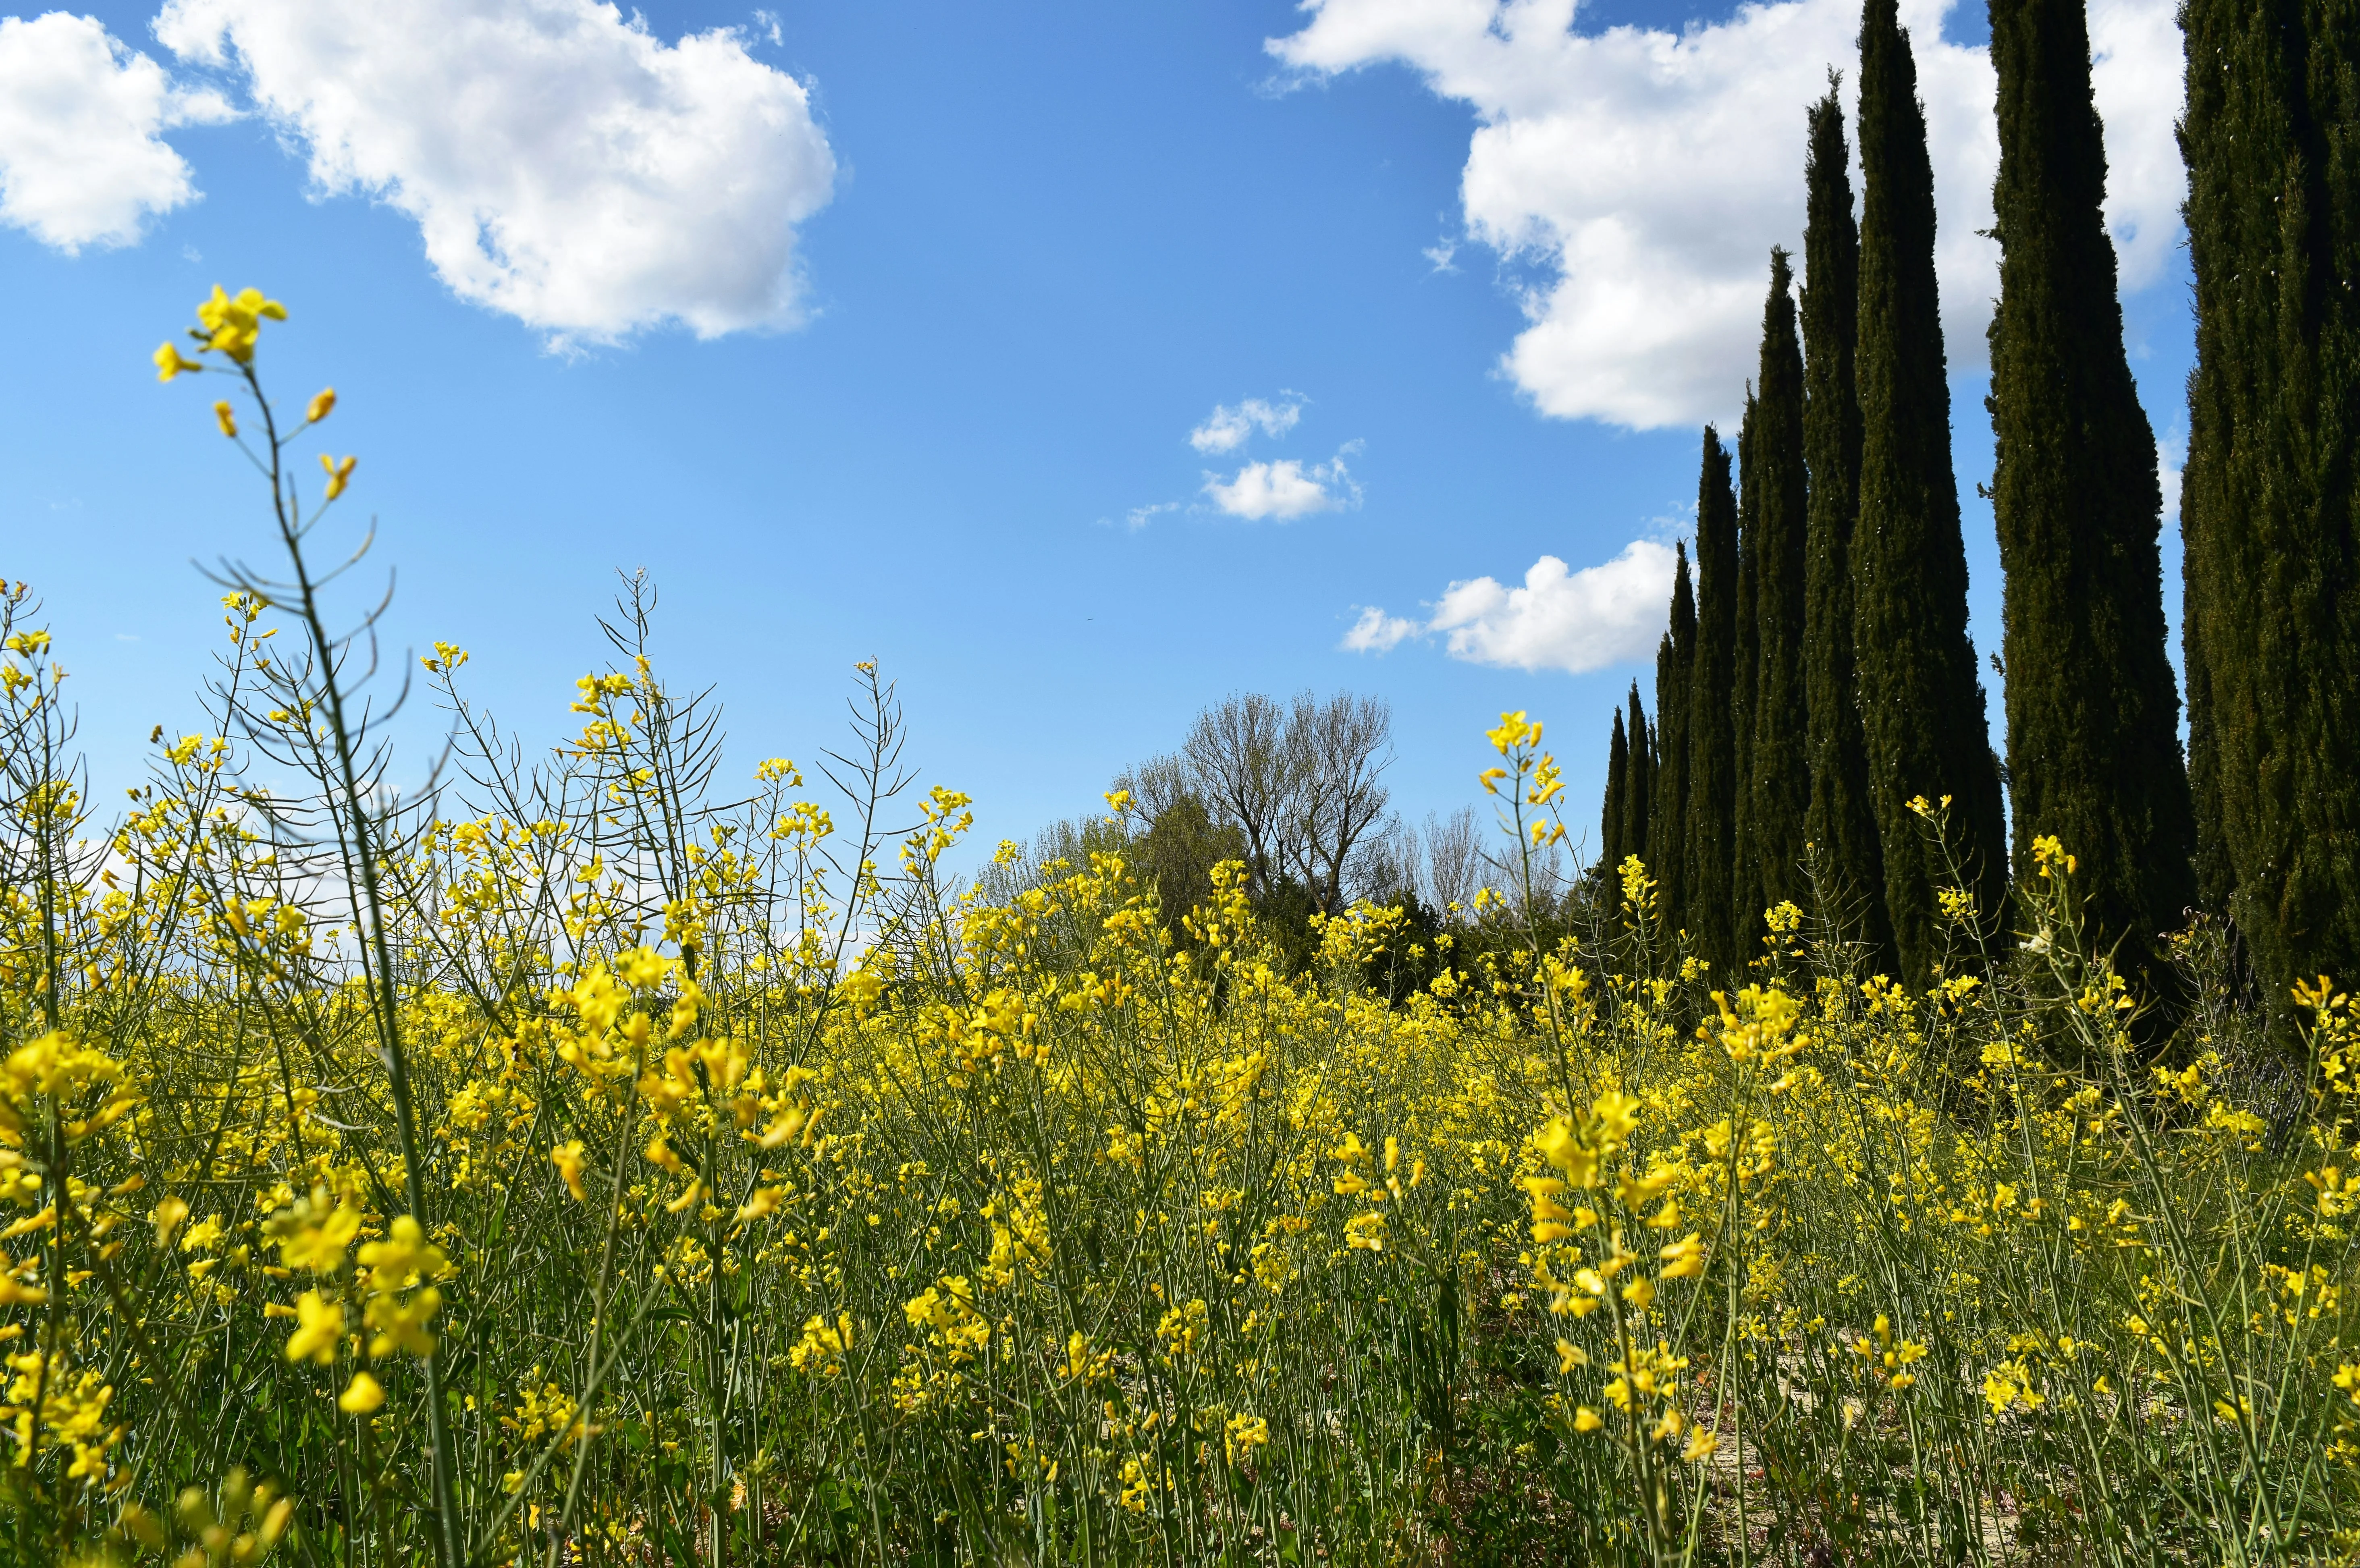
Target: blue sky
<point>1499,269</point>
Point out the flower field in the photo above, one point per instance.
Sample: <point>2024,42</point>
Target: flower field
<point>617,1159</point>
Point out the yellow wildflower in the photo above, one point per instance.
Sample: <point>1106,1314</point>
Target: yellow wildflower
<point>322,1324</point>
<point>170,362</point>
<point>362,1396</point>
<point>567,1157</point>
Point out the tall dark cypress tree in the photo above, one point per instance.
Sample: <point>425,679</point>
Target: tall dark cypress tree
<point>1667,832</point>
<point>1639,780</point>
<point>1614,810</point>
<point>1838,823</point>
<point>1711,846</point>
<point>2216,876</point>
<point>1745,880</point>
<point>1780,777</point>
<point>2270,503</point>
<point>1921,702</point>
<point>2092,708</point>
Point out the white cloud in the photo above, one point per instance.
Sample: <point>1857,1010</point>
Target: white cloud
<point>1649,173</point>
<point>1376,632</point>
<point>1226,429</point>
<point>2171,467</point>
<point>1139,516</point>
<point>1559,619</point>
<point>563,165</point>
<point>81,159</point>
<point>1286,489</point>
<point>2136,66</point>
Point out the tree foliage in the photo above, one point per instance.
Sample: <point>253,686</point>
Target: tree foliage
<point>1668,812</point>
<point>1711,839</point>
<point>1921,702</point>
<point>1302,784</point>
<point>2270,508</point>
<point>1745,870</point>
<point>1779,780</point>
<point>1639,790</point>
<point>1838,823</point>
<point>2092,708</point>
<point>1614,812</point>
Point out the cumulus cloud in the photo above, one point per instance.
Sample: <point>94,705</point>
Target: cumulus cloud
<point>83,160</point>
<point>1284,490</point>
<point>563,164</point>
<point>2170,466</point>
<point>2137,65</point>
<point>1646,173</point>
<point>1376,632</point>
<point>1557,619</point>
<point>1226,429</point>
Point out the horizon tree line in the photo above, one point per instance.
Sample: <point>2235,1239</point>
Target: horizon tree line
<point>1293,789</point>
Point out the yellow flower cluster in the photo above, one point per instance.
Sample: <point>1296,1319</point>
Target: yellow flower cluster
<point>623,1159</point>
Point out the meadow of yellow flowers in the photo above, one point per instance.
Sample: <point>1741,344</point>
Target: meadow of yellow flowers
<point>604,1160</point>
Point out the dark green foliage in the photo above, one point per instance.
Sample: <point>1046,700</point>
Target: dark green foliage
<point>1780,778</point>
<point>1614,812</point>
<point>2270,508</point>
<point>1922,703</point>
<point>2216,877</point>
<point>1668,826</point>
<point>1839,822</point>
<point>1410,957</point>
<point>1177,854</point>
<point>1172,840</point>
<point>1711,847</point>
<point>1639,786</point>
<point>1286,912</point>
<point>1745,880</point>
<point>2093,709</point>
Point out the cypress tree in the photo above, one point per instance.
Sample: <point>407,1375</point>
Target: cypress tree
<point>2093,709</point>
<point>1839,822</point>
<point>1711,840</point>
<point>1780,777</point>
<point>1639,780</point>
<point>1667,831</point>
<point>1615,811</point>
<point>2270,503</point>
<point>1745,879</point>
<point>2216,878</point>
<point>1921,702</point>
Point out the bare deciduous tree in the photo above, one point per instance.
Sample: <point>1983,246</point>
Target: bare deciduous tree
<point>1386,864</point>
<point>1301,784</point>
<point>1340,750</point>
<point>1157,785</point>
<point>1453,859</point>
<point>1238,757</point>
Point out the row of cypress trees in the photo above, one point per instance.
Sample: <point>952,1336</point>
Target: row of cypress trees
<point>1817,677</point>
<point>2270,498</point>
